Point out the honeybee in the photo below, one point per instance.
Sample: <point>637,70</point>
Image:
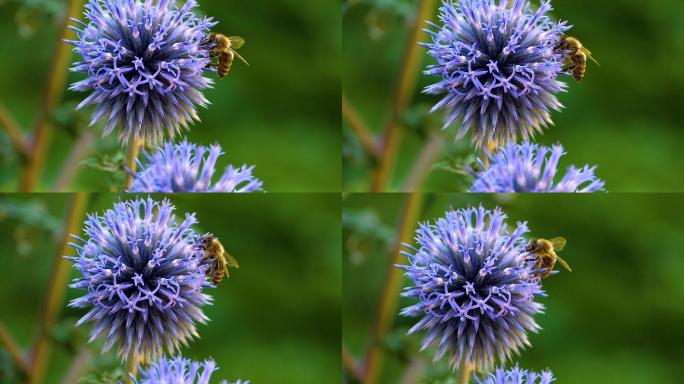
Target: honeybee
<point>223,48</point>
<point>543,251</point>
<point>576,56</point>
<point>215,257</point>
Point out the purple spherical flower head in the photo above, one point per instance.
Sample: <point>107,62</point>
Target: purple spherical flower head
<point>180,371</point>
<point>187,167</point>
<point>532,168</point>
<point>517,376</point>
<point>498,67</point>
<point>144,62</point>
<point>144,282</point>
<point>475,290</point>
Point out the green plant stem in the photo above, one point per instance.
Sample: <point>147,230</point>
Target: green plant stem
<point>56,288</point>
<point>79,366</point>
<point>489,148</point>
<point>13,349</point>
<point>421,167</point>
<point>465,372</point>
<point>414,371</point>
<point>387,304</point>
<point>11,127</point>
<point>350,365</point>
<point>405,87</point>
<point>133,151</point>
<point>52,94</point>
<point>132,367</point>
<point>351,116</point>
<point>84,146</point>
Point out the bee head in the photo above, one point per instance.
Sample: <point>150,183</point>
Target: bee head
<point>532,244</point>
<point>202,242</point>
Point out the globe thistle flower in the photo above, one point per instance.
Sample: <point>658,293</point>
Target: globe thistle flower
<point>475,289</point>
<point>144,62</point>
<point>144,282</point>
<point>180,371</point>
<point>517,376</point>
<point>532,168</point>
<point>186,167</point>
<point>498,67</point>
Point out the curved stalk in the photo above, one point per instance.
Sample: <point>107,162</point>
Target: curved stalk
<point>406,85</point>
<point>389,297</point>
<point>56,288</point>
<point>131,163</point>
<point>52,94</point>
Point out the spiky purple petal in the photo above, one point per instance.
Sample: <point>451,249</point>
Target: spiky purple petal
<point>532,168</point>
<point>187,167</point>
<point>498,67</point>
<point>143,278</point>
<point>516,375</point>
<point>475,290</point>
<point>144,63</point>
<point>179,370</point>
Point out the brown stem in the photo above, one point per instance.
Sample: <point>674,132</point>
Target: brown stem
<point>421,166</point>
<point>358,126</point>
<point>465,372</point>
<point>131,163</point>
<point>56,287</point>
<point>389,297</point>
<point>350,366</point>
<point>52,94</point>
<point>405,87</point>
<point>13,348</point>
<point>11,128</point>
<point>84,145</point>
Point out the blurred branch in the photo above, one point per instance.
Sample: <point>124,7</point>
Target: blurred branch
<point>79,366</point>
<point>55,291</point>
<point>84,145</point>
<point>359,127</point>
<point>413,373</point>
<point>421,167</point>
<point>52,93</point>
<point>350,366</point>
<point>13,348</point>
<point>11,127</point>
<point>389,297</point>
<point>133,152</point>
<point>406,84</point>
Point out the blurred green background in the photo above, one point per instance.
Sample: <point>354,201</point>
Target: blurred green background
<point>276,320</point>
<point>617,318</point>
<point>280,114</point>
<point>624,116</point>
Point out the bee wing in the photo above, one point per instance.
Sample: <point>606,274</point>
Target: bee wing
<point>231,261</point>
<point>239,57</point>
<point>558,243</point>
<point>236,41</point>
<point>589,56</point>
<point>563,263</point>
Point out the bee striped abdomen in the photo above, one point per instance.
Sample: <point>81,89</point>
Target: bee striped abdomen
<point>225,62</point>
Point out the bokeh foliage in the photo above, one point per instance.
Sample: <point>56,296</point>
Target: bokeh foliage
<point>624,116</point>
<point>615,319</point>
<point>281,113</point>
<point>275,320</point>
